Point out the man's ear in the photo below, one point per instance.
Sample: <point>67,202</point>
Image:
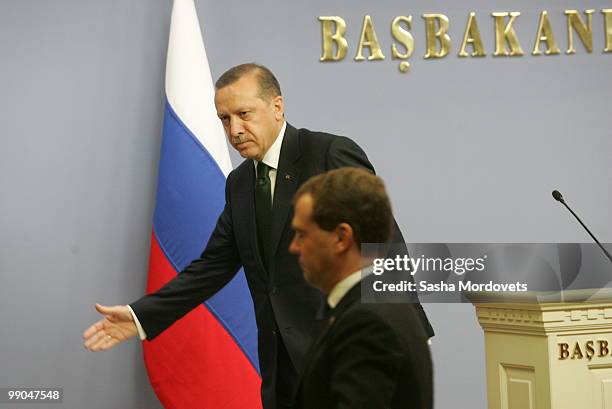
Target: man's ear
<point>344,237</point>
<point>279,107</point>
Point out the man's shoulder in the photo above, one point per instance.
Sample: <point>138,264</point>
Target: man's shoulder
<point>310,138</point>
<point>366,324</point>
<point>317,135</point>
<point>325,151</point>
<point>314,143</point>
<point>392,315</point>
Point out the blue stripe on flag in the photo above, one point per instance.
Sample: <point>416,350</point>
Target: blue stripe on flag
<point>190,197</point>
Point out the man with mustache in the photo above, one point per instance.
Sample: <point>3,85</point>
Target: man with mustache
<point>253,231</point>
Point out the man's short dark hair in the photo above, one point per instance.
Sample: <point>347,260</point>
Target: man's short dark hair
<point>354,196</point>
<point>268,84</point>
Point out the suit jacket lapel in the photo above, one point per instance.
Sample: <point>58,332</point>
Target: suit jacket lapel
<point>286,184</point>
<point>350,298</point>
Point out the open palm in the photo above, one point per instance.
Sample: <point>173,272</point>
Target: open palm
<point>116,326</point>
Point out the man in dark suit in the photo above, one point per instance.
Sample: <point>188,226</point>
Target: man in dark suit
<point>253,231</point>
<point>372,356</point>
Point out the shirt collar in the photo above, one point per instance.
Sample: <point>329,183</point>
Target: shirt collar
<point>339,291</point>
<point>341,288</point>
<point>272,156</point>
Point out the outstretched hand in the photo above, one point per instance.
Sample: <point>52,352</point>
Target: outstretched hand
<point>116,326</point>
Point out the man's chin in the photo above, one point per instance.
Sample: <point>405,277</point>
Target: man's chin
<point>247,153</point>
<point>308,277</point>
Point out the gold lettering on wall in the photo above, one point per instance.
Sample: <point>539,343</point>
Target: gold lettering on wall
<point>585,31</point>
<point>603,348</point>
<point>577,352</point>
<point>438,44</point>
<point>608,24</point>
<point>404,37</point>
<point>369,39</point>
<point>472,37</point>
<point>333,30</point>
<point>434,37</point>
<point>505,35</point>
<point>545,34</point>
<point>588,350</point>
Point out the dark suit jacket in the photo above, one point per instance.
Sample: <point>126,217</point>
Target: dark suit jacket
<point>368,356</point>
<point>285,306</point>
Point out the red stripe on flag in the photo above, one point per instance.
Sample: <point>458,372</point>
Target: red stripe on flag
<point>195,363</point>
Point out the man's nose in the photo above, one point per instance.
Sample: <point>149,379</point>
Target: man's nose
<point>236,127</point>
<point>293,247</point>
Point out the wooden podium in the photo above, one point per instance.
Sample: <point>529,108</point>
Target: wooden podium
<point>548,350</point>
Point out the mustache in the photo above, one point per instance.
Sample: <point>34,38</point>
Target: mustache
<point>235,140</point>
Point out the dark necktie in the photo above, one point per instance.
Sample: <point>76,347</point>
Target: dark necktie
<point>263,209</point>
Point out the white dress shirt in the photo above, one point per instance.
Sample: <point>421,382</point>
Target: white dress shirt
<point>272,157</point>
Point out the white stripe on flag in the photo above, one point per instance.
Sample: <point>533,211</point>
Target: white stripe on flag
<point>189,85</point>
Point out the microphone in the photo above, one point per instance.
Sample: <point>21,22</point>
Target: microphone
<point>559,198</point>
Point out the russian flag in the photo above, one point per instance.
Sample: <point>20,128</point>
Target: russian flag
<point>208,359</point>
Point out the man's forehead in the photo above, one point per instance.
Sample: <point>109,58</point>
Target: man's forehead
<point>247,84</point>
<point>230,98</point>
<point>304,204</point>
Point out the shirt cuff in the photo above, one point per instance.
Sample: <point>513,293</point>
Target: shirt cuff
<point>141,332</point>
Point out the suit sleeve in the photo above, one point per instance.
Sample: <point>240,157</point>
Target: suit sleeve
<point>366,356</point>
<point>344,152</point>
<point>201,279</point>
